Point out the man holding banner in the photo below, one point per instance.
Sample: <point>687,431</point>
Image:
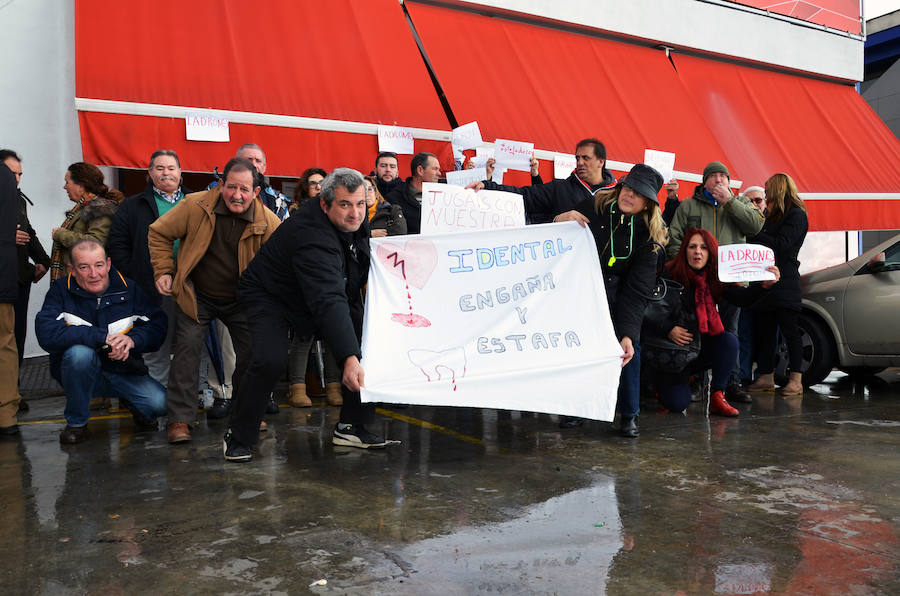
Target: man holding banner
<point>544,201</point>
<point>309,277</point>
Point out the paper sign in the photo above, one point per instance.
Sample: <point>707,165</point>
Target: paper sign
<point>448,208</point>
<point>513,155</point>
<point>745,262</point>
<point>479,161</point>
<point>467,136</point>
<point>484,152</point>
<point>662,162</point>
<point>563,165</point>
<point>205,126</point>
<point>464,177</point>
<point>515,319</point>
<point>497,176</point>
<point>396,139</point>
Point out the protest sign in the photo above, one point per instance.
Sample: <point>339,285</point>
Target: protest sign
<point>497,176</point>
<point>448,208</point>
<point>745,262</point>
<point>464,177</point>
<point>514,319</point>
<point>205,126</point>
<point>563,165</point>
<point>467,136</point>
<point>484,153</point>
<point>513,155</point>
<point>661,161</point>
<point>396,139</point>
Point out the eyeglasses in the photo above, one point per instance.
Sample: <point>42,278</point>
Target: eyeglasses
<point>314,182</point>
<point>370,188</point>
<point>758,201</point>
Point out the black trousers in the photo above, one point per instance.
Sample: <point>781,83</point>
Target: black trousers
<point>268,322</point>
<point>21,322</point>
<point>767,323</point>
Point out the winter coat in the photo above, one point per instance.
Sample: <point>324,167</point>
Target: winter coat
<point>72,316</point>
<point>731,223</point>
<point>785,237</point>
<point>31,251</point>
<point>193,221</point>
<point>127,244</point>
<point>630,279</point>
<point>404,196</point>
<point>92,220</point>
<point>543,202</point>
<point>308,269</point>
<point>9,268</point>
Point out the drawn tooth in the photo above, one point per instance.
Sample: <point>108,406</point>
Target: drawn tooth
<point>448,364</point>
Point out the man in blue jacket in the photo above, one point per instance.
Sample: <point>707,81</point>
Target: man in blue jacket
<point>95,323</point>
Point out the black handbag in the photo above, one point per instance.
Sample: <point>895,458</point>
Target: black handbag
<point>658,351</point>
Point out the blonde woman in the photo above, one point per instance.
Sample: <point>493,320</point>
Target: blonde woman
<point>626,222</point>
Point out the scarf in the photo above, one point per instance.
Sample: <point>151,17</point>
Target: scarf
<point>58,251</point>
<point>707,315</point>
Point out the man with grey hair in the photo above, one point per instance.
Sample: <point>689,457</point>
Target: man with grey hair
<point>308,277</point>
<point>128,249</point>
<point>757,197</point>
<point>277,202</point>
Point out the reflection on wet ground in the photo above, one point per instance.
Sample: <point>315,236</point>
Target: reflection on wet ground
<point>797,496</point>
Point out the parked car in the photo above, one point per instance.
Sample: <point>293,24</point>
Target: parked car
<point>851,316</point>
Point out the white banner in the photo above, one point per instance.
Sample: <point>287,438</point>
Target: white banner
<point>514,319</point>
<point>745,262</point>
<point>449,208</point>
<point>464,177</point>
<point>206,126</point>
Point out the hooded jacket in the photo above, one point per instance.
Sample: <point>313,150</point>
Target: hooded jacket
<point>731,223</point>
<point>72,316</point>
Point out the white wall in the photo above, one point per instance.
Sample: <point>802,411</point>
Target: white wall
<point>710,27</point>
<point>37,114</point>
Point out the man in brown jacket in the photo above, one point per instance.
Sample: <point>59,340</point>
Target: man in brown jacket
<point>220,231</point>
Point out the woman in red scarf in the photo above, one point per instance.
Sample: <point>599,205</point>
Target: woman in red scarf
<point>696,268</point>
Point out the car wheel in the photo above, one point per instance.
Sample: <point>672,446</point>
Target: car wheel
<point>817,353</point>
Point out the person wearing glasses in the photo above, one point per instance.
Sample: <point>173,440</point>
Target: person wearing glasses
<point>309,185</point>
<point>757,197</point>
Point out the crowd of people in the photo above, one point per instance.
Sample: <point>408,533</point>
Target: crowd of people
<point>267,286</point>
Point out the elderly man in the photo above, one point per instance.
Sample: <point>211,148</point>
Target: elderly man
<point>424,167</point>
<point>220,231</point>
<point>271,198</point>
<point>543,202</point>
<point>757,197</point>
<point>308,277</point>
<point>731,219</point>
<point>33,260</point>
<point>95,323</point>
<point>128,249</point>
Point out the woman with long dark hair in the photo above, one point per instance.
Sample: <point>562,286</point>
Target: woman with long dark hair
<point>95,205</point>
<point>309,185</point>
<point>627,226</point>
<point>784,232</point>
<point>695,266</point>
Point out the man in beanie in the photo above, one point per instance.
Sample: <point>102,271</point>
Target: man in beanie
<point>731,219</point>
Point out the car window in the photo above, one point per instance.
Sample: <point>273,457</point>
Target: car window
<point>891,259</point>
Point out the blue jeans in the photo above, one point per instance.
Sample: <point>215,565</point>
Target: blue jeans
<point>629,399</point>
<point>83,378</point>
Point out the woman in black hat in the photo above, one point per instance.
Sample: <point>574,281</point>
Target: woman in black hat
<point>628,228</point>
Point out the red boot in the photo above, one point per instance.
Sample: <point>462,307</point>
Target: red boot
<point>718,405</point>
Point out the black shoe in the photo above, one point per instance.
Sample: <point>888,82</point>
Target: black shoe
<point>570,422</point>
<point>23,406</point>
<point>73,434</point>
<point>9,431</point>
<point>357,436</point>
<point>735,393</point>
<point>628,427</point>
<point>220,408</point>
<point>234,451</point>
<point>271,406</point>
<point>143,425</point>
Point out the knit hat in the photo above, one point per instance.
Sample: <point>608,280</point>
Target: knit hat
<point>645,181</point>
<point>715,167</point>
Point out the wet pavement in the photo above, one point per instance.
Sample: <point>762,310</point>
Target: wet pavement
<point>797,496</point>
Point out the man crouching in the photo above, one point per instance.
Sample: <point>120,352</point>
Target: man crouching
<point>95,324</point>
<point>310,277</point>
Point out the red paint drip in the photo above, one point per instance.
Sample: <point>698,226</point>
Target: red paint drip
<point>410,319</point>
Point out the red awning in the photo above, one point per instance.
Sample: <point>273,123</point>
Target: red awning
<point>339,60</point>
<point>824,135</point>
<point>552,87</point>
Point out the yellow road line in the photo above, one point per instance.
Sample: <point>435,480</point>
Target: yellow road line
<point>430,426</point>
<point>59,420</point>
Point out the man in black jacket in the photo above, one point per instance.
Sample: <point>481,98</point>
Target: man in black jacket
<point>9,291</point>
<point>310,277</point>
<point>127,244</point>
<point>543,202</point>
<point>424,167</point>
<point>33,260</point>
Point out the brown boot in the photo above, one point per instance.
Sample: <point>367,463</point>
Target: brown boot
<point>765,382</point>
<point>333,394</point>
<point>794,386</point>
<point>179,432</point>
<point>297,397</point>
<point>720,407</point>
